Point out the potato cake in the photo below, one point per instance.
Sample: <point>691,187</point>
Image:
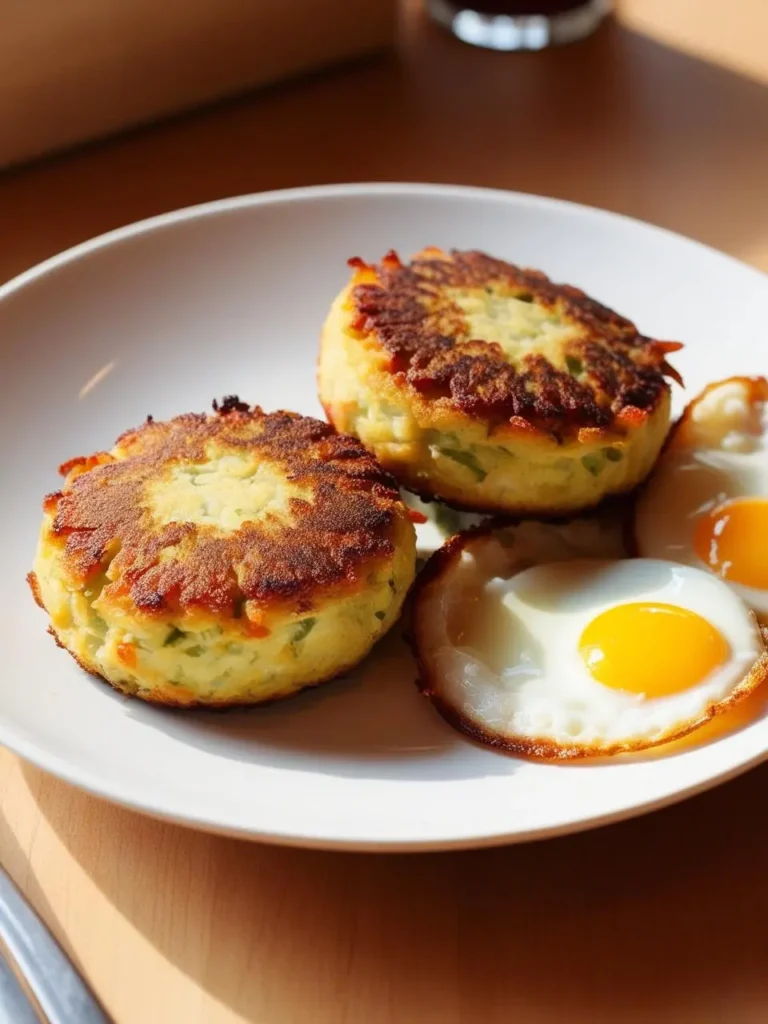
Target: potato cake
<point>490,387</point>
<point>230,558</point>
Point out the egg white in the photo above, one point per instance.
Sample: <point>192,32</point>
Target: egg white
<point>524,685</point>
<point>719,452</point>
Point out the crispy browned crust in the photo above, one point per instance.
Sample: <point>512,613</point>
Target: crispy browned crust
<point>543,748</point>
<point>101,516</point>
<point>34,586</point>
<point>404,309</point>
<point>758,392</point>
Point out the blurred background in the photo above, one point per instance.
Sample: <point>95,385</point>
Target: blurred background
<point>662,112</point>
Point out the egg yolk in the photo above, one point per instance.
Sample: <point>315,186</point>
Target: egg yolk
<point>731,540</point>
<point>651,649</point>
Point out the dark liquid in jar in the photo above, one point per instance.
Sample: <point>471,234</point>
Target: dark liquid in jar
<point>545,7</point>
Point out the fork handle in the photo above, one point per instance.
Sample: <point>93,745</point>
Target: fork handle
<point>15,1007</point>
<point>52,979</point>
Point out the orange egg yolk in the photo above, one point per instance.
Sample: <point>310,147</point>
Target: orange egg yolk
<point>651,649</point>
<point>732,539</point>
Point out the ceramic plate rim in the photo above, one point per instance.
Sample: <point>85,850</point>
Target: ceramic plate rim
<point>82,779</point>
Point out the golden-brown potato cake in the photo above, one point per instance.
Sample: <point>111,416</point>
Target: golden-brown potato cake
<point>491,388</point>
<point>223,559</point>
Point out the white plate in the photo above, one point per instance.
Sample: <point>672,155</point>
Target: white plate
<point>163,316</point>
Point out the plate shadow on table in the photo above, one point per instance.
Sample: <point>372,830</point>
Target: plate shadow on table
<point>659,918</point>
<point>372,724</point>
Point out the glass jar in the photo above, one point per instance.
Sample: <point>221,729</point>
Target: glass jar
<point>519,24</point>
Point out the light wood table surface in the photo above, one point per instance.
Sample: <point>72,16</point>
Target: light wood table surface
<point>665,117</point>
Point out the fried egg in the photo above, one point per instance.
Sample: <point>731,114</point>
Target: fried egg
<point>707,502</point>
<point>527,648</point>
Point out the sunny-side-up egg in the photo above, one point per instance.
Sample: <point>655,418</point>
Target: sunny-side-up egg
<point>524,646</point>
<point>706,504</point>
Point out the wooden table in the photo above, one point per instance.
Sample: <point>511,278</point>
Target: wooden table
<point>663,918</point>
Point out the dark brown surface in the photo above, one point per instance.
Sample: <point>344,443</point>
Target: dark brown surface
<point>408,311</point>
<point>102,518</point>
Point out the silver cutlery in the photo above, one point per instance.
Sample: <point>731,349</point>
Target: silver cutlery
<point>37,964</point>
